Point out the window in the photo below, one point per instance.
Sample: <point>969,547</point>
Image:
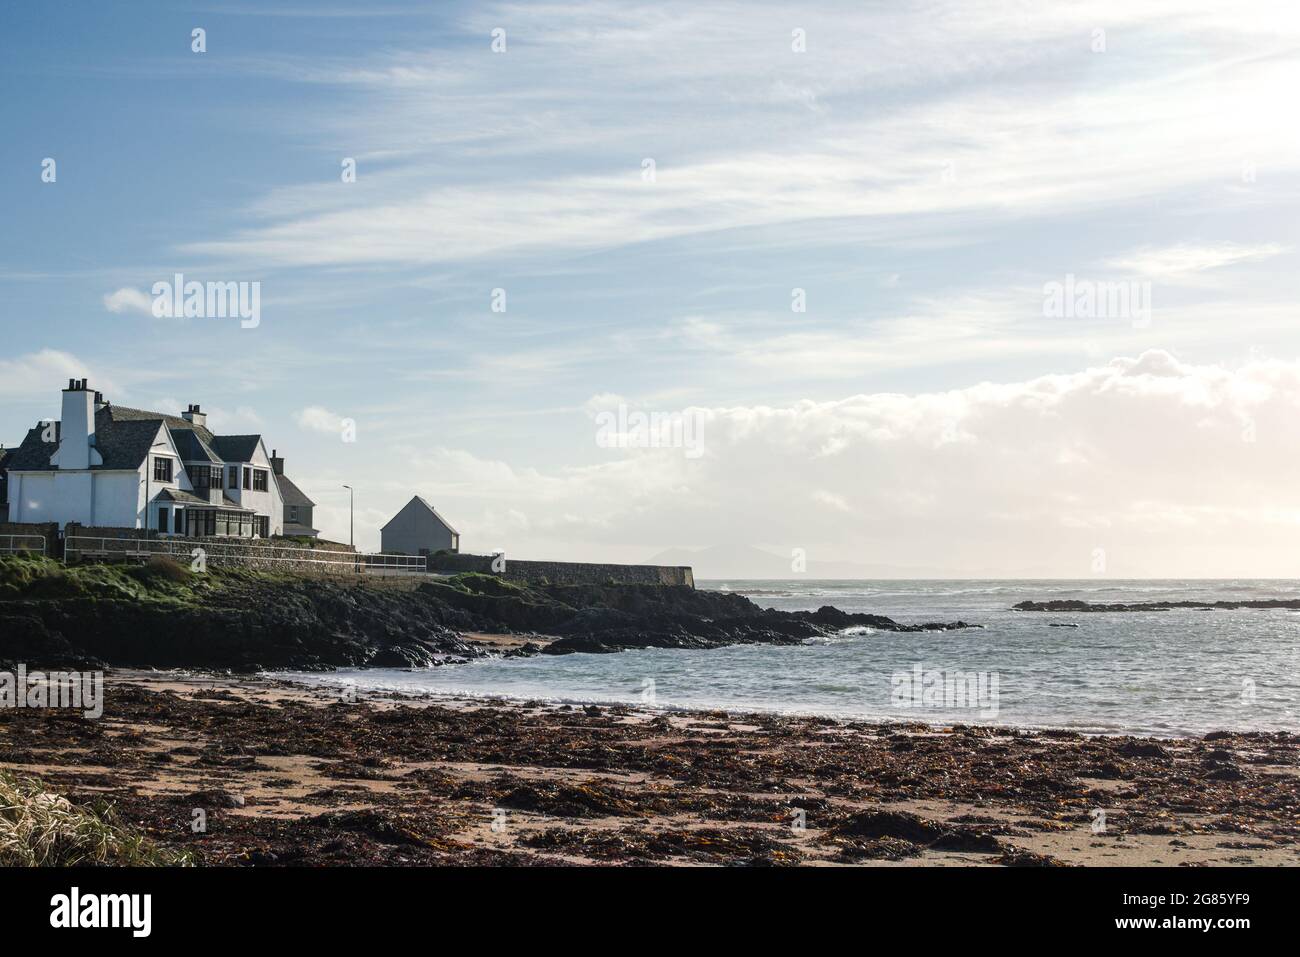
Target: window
<point>162,469</point>
<point>293,513</point>
<point>234,477</point>
<point>260,480</point>
<point>204,477</point>
<point>162,520</point>
<point>248,478</point>
<point>263,526</point>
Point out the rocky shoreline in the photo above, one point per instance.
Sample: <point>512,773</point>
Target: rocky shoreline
<point>164,616</point>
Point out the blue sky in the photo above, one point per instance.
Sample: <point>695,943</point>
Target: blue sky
<point>920,171</point>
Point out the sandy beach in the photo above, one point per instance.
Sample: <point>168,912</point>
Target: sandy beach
<point>256,771</point>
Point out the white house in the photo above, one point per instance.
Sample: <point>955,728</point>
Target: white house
<point>110,466</point>
<point>418,529</point>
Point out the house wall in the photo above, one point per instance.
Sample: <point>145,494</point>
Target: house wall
<point>412,529</point>
<point>98,497</point>
<point>567,573</point>
<point>264,503</point>
<point>303,517</point>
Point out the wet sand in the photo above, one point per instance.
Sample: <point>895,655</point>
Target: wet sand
<point>257,771</point>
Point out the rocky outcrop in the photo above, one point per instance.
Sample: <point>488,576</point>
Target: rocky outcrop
<point>249,621</point>
<point>1086,606</point>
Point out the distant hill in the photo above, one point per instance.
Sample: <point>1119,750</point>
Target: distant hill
<point>747,561</point>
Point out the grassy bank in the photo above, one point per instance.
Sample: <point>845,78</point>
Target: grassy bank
<point>39,828</point>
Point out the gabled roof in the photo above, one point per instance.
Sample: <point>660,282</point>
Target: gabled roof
<point>191,446</point>
<point>124,436</point>
<point>122,445</point>
<point>122,413</point>
<point>235,448</point>
<point>292,494</point>
<point>421,501</point>
<point>219,448</point>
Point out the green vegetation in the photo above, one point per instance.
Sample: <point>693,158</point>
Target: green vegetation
<point>41,829</point>
<point>477,583</point>
<point>162,579</point>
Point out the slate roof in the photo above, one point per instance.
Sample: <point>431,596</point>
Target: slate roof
<point>122,413</point>
<point>123,437</point>
<point>192,448</point>
<point>417,498</point>
<point>182,496</point>
<point>292,494</point>
<point>122,445</point>
<point>188,498</point>
<point>235,448</point>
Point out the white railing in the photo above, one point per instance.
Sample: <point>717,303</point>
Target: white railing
<point>13,544</point>
<point>218,553</point>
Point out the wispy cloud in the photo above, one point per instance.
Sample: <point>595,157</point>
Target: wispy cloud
<point>962,112</point>
<point>128,299</point>
<point>1186,259</point>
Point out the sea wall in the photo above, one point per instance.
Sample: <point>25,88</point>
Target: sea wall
<point>565,573</point>
<point>46,530</point>
<point>327,558</point>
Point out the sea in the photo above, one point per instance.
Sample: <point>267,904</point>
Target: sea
<point>1164,673</point>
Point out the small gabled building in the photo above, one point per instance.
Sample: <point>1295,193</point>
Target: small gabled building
<point>418,529</point>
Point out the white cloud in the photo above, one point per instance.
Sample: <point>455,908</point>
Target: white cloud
<point>128,299</point>
<point>1172,262</point>
<point>1172,468</point>
<point>237,421</point>
<point>40,375</point>
<point>315,418</point>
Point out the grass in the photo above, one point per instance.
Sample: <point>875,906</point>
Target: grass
<point>162,579</point>
<point>41,829</point>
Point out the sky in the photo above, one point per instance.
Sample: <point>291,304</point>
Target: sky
<point>973,289</point>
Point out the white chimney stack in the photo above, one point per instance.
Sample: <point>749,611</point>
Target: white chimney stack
<point>195,416</point>
<point>77,429</point>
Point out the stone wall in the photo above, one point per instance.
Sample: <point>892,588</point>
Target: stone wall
<point>326,558</point>
<point>566,573</point>
<point>46,530</point>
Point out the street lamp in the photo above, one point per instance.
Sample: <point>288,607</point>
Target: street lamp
<point>351,513</point>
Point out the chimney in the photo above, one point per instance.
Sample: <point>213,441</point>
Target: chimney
<point>77,429</point>
<point>99,401</point>
<point>195,416</point>
<point>277,463</point>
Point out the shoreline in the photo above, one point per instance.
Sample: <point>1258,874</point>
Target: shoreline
<point>300,679</point>
<point>287,774</point>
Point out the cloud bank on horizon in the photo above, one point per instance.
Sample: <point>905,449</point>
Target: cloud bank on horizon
<point>827,236</point>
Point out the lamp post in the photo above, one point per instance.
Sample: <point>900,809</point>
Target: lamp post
<point>351,513</point>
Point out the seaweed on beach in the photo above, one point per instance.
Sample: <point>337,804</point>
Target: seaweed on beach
<point>613,785</point>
